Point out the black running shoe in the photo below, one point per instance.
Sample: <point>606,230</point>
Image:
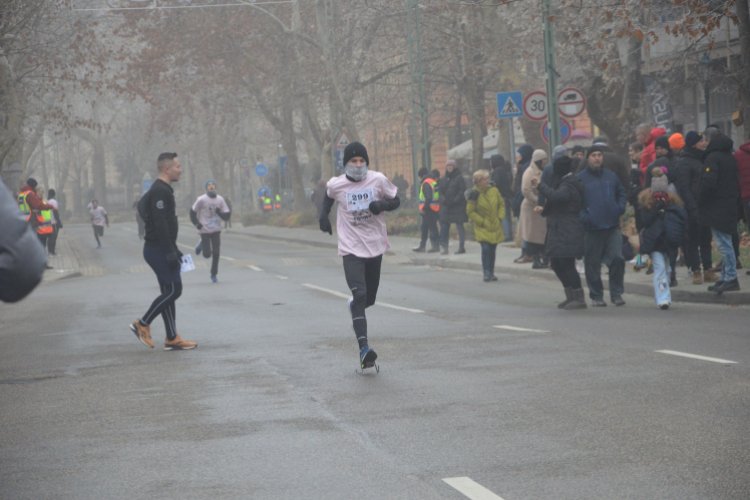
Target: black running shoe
<point>367,357</point>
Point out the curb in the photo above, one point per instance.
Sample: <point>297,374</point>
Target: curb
<point>678,295</point>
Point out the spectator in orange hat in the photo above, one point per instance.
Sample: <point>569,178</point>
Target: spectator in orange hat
<point>676,142</point>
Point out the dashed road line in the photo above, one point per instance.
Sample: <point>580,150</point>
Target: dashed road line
<point>697,356</point>
<point>282,277</point>
<point>349,296</point>
<point>470,489</point>
<point>255,268</point>
<point>518,329</point>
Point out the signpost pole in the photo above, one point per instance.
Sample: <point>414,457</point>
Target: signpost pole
<point>553,116</point>
<point>512,158</point>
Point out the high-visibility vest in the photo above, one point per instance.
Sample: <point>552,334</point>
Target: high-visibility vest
<point>46,221</point>
<point>435,204</point>
<point>278,202</point>
<point>26,209</point>
<point>267,203</point>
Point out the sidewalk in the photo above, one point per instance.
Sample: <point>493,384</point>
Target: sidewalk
<point>400,252</point>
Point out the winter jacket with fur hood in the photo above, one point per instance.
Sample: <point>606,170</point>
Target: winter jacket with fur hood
<point>658,225</point>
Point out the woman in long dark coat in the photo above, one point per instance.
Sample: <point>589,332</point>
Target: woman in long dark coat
<point>564,229</point>
<point>452,206</point>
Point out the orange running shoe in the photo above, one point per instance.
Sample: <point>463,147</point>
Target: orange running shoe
<point>142,332</point>
<point>178,344</point>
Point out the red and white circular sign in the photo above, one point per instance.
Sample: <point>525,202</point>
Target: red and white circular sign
<point>571,102</point>
<point>535,105</point>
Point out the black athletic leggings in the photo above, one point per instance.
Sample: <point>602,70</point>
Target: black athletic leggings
<point>363,278</point>
<point>211,243</point>
<point>98,231</point>
<point>565,269</point>
<point>170,284</point>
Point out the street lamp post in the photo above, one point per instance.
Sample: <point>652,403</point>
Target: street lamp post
<point>705,68</point>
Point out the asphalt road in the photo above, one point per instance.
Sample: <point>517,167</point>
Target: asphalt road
<point>579,405</point>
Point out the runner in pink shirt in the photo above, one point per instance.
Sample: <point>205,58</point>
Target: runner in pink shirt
<point>363,196</point>
<point>207,213</point>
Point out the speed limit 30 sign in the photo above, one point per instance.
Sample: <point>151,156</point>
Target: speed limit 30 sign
<point>535,105</point>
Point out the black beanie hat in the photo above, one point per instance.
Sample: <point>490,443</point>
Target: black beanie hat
<point>562,166</point>
<point>497,161</point>
<point>355,149</point>
<point>577,149</point>
<point>31,182</point>
<point>662,142</point>
<point>422,172</point>
<point>594,149</point>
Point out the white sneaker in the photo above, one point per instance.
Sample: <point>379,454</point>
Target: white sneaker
<point>664,306</point>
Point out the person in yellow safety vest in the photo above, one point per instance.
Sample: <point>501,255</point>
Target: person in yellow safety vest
<point>278,202</point>
<point>429,205</point>
<point>267,206</point>
<point>44,229</point>
<point>32,205</point>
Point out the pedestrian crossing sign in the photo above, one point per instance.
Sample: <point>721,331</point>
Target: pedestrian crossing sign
<point>509,104</point>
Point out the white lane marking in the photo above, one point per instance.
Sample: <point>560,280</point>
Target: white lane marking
<point>255,268</point>
<point>696,356</point>
<point>283,277</point>
<point>518,329</point>
<point>472,490</point>
<point>399,308</point>
<point>332,292</point>
<point>349,296</point>
<point>228,258</point>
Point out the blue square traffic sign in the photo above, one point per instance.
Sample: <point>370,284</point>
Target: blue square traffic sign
<point>509,104</point>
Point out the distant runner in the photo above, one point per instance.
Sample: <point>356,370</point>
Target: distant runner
<point>98,218</point>
<point>157,207</point>
<point>363,196</point>
<point>207,213</point>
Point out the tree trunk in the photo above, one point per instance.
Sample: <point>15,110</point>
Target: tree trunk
<point>743,14</point>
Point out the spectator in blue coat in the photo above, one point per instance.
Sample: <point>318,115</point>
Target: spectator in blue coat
<point>604,203</point>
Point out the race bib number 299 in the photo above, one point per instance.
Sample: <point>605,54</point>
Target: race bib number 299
<point>359,200</point>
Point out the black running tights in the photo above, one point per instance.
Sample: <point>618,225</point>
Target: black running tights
<point>211,244</point>
<point>363,278</point>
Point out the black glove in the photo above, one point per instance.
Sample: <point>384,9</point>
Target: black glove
<point>218,211</point>
<point>376,207</point>
<point>199,226</point>
<point>173,261</point>
<point>325,225</point>
<point>660,204</point>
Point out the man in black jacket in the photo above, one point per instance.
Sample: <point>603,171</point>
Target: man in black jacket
<point>452,206</point>
<point>687,181</point>
<point>159,212</point>
<point>717,203</point>
<point>502,177</point>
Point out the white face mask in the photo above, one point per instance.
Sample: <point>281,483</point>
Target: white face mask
<point>356,172</point>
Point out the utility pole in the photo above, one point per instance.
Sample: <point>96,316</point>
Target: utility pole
<point>553,114</point>
<point>418,108</point>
